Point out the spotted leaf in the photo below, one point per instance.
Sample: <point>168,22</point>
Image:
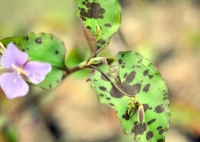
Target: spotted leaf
<point>113,69</point>
<point>140,80</point>
<point>91,39</point>
<point>44,48</point>
<point>102,18</point>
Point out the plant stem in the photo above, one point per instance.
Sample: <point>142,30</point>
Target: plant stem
<point>91,64</point>
<point>76,68</point>
<point>85,64</point>
<point>114,84</point>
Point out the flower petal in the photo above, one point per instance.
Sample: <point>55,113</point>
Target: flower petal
<point>13,85</point>
<point>37,71</point>
<point>13,56</point>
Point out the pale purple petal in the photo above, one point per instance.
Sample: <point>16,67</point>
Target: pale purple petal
<point>37,71</point>
<point>13,85</point>
<point>13,56</point>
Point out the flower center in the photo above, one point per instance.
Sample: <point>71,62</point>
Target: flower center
<point>19,70</point>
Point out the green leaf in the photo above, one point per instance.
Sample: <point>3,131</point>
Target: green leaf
<point>140,101</point>
<point>102,18</point>
<point>91,39</point>
<point>44,48</point>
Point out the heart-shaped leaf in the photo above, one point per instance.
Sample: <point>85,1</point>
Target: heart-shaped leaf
<point>44,48</point>
<point>140,101</point>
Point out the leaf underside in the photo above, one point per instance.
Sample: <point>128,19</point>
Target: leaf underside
<point>140,79</point>
<point>44,48</point>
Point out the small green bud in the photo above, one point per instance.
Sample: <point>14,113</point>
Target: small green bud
<point>132,106</point>
<point>98,32</point>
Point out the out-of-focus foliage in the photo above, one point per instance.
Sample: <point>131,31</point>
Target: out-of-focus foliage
<point>74,57</point>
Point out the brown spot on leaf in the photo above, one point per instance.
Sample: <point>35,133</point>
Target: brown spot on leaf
<point>146,107</point>
<point>149,135</point>
<point>125,116</point>
<point>111,104</point>
<point>145,72</point>
<point>146,88</point>
<point>108,25</point>
<point>56,52</point>
<point>127,88</point>
<point>165,94</point>
<point>131,89</point>
<point>26,37</point>
<point>102,95</point>
<point>139,128</point>
<point>120,61</point>
<point>102,88</point>
<point>108,98</point>
<point>165,98</point>
<point>159,127</point>
<point>94,10</point>
<point>136,88</point>
<point>137,66</point>
<point>150,76</point>
<point>88,27</point>
<point>38,40</point>
<point>151,121</point>
<point>130,77</point>
<point>160,140</point>
<point>161,131</point>
<point>125,75</point>
<point>114,92</point>
<point>159,109</point>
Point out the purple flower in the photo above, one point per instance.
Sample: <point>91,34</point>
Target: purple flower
<point>17,69</point>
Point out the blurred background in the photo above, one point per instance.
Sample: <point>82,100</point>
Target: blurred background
<point>167,32</point>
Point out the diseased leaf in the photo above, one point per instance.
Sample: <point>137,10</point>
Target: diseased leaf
<point>91,39</point>
<point>44,48</point>
<point>102,17</point>
<point>140,101</point>
<point>113,69</point>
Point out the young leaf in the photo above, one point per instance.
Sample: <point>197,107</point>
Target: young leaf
<point>101,17</point>
<point>114,69</point>
<point>44,48</point>
<point>147,118</point>
<point>91,39</point>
